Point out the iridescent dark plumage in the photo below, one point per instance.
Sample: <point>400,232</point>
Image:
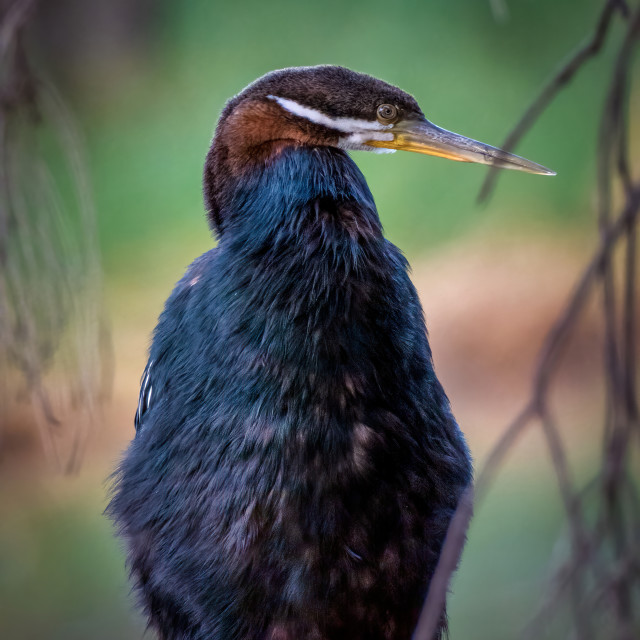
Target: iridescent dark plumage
<point>296,464</point>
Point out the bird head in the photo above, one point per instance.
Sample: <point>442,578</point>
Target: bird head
<point>335,107</point>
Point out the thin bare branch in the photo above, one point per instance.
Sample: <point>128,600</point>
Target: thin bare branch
<point>51,319</point>
<point>432,612</point>
<point>602,572</point>
<point>559,80</point>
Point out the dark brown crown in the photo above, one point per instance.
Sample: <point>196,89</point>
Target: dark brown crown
<point>334,91</point>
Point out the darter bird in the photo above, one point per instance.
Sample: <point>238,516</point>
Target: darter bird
<point>296,463</point>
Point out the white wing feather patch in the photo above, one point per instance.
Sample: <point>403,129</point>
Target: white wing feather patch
<point>144,399</point>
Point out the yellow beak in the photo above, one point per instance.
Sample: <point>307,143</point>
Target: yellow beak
<point>422,136</point>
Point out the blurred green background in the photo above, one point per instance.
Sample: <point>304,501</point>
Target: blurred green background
<point>147,80</point>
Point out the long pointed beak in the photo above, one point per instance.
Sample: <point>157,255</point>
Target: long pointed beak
<point>422,136</point>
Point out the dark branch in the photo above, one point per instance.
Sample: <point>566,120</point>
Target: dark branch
<point>432,612</point>
<point>560,79</point>
<point>603,570</point>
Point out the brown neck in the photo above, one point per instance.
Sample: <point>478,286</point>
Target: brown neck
<point>250,135</point>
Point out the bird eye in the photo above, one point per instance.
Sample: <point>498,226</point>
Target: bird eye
<point>387,113</point>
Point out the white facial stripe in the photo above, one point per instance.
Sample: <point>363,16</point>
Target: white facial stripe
<point>348,146</point>
<point>357,141</point>
<point>361,138</point>
<point>346,125</point>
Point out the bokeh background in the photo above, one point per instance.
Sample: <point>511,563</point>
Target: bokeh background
<point>146,81</point>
